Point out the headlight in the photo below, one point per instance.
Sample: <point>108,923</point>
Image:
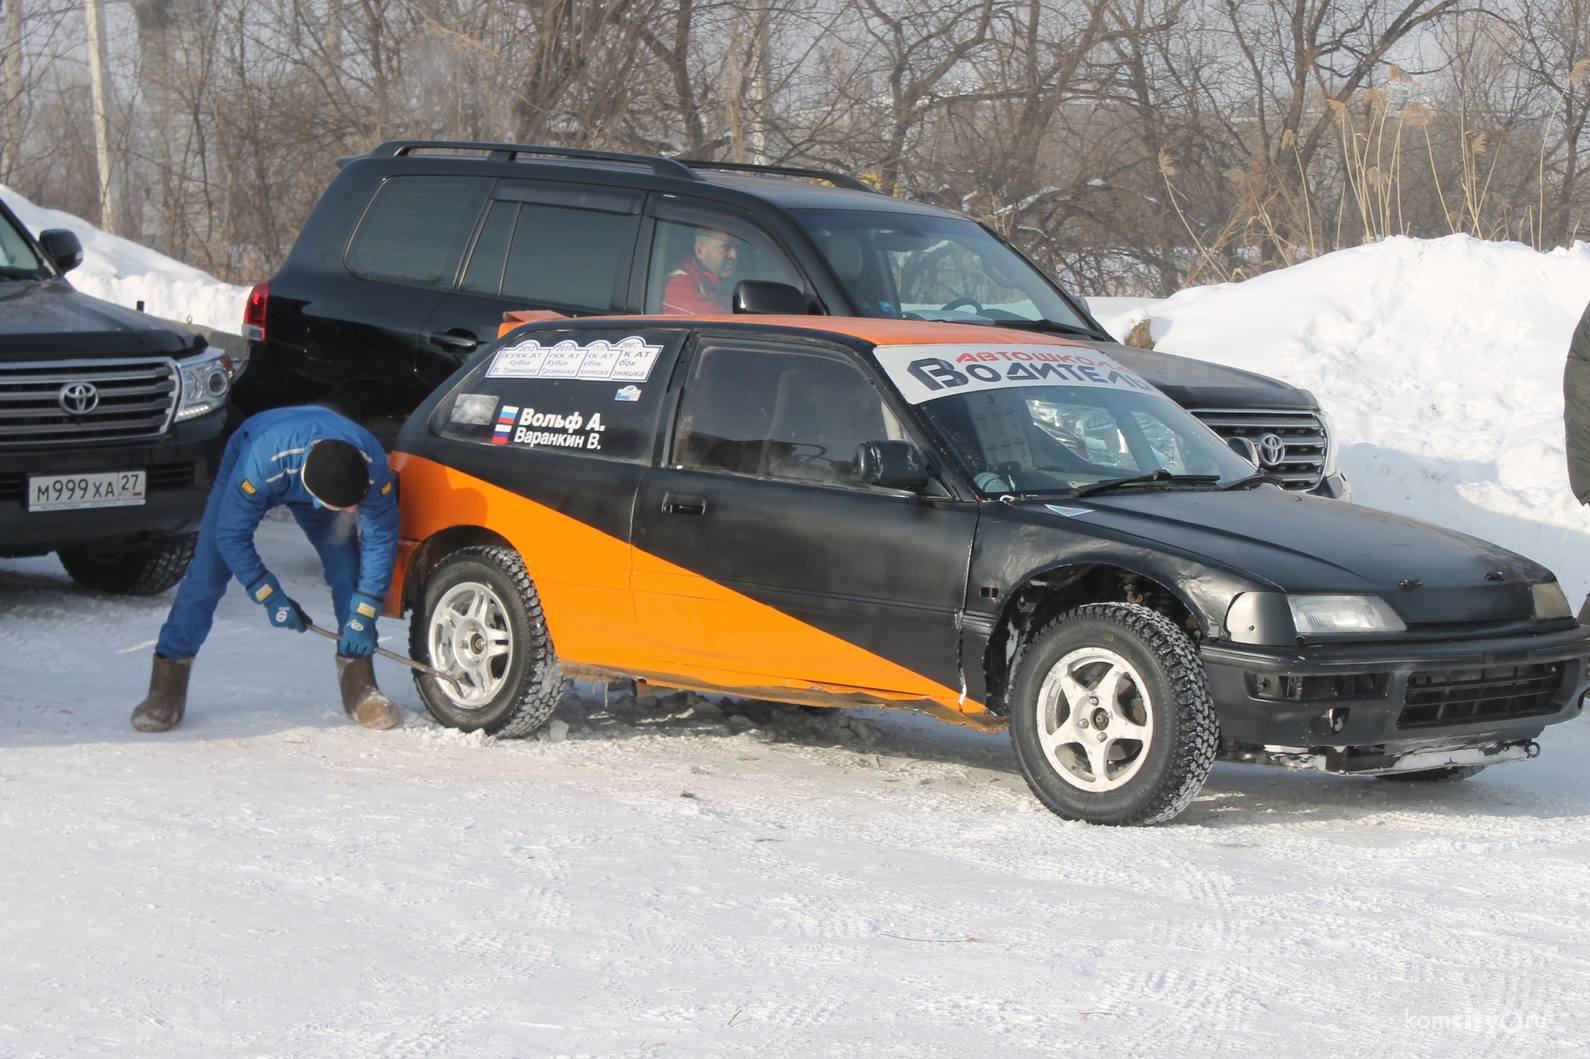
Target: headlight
<point>1549,601</point>
<point>1334,615</point>
<point>1330,443</point>
<point>205,382</point>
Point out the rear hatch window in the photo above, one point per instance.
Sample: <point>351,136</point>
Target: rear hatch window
<point>587,393</point>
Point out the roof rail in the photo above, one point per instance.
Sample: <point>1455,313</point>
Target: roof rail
<point>839,180</point>
<point>507,152</point>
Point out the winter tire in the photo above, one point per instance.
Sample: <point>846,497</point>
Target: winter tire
<point>480,621</point>
<point>139,569</point>
<point>1110,716</point>
<point>1450,774</point>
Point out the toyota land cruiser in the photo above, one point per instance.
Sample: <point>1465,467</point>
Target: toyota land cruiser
<point>111,423</point>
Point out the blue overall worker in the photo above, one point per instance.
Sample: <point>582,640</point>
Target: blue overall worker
<point>332,475</point>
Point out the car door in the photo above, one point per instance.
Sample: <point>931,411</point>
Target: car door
<point>540,245</point>
<point>545,442</point>
<point>759,562</point>
<point>403,257</point>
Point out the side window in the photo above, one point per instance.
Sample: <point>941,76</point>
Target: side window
<point>14,250</point>
<point>699,254</point>
<point>484,275</point>
<point>778,412</point>
<point>593,393</point>
<point>556,245</point>
<point>568,257</point>
<point>416,228</point>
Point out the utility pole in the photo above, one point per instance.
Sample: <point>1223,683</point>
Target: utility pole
<point>100,88</point>
<point>761,79</point>
<point>160,176</point>
<point>11,90</point>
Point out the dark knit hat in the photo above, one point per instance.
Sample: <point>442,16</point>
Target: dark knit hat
<point>336,473</point>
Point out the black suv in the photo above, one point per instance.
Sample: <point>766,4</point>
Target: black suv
<point>111,423</point>
<point>417,249</point>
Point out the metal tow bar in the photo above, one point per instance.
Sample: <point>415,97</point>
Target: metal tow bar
<point>418,667</point>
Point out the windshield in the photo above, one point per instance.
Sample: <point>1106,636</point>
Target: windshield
<point>1054,419</point>
<point>928,267</point>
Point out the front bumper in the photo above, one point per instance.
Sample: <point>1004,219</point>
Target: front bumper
<point>180,465</point>
<point>1333,487</point>
<point>1361,707</point>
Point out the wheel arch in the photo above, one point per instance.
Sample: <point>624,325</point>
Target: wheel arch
<point>1053,590</point>
<point>438,546</point>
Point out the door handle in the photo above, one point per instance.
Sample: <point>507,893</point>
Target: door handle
<point>684,504</point>
<point>455,341</point>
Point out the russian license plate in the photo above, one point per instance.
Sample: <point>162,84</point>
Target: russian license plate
<point>68,492</point>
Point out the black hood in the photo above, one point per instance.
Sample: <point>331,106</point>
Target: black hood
<point>1200,384</point>
<point>50,319</point>
<point>1292,542</point>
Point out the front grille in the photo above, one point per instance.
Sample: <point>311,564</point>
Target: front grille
<point>131,399</point>
<point>1302,435</point>
<point>169,476</point>
<point>1460,696</point>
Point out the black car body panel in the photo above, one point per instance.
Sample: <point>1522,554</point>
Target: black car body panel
<point>54,319</point>
<point>1289,542</point>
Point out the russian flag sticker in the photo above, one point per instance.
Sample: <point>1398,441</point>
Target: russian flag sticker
<point>504,429</point>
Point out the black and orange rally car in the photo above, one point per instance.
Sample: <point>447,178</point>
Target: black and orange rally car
<point>992,526</point>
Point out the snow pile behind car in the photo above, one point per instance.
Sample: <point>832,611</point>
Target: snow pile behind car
<point>124,273</point>
<point>1440,361</point>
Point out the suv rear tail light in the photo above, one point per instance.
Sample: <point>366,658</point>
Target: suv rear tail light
<point>254,312</point>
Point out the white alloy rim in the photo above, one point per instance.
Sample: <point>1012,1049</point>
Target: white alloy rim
<point>471,641</point>
<point>1095,719</point>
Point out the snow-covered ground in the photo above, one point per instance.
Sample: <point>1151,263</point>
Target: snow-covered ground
<point>268,880</point>
<point>1441,361</point>
<point>124,272</point>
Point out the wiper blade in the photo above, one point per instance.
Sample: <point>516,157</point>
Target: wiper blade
<point>1053,325</point>
<point>1262,478</point>
<point>1152,478</point>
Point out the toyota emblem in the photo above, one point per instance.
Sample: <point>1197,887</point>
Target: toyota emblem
<point>1272,450</point>
<point>78,398</point>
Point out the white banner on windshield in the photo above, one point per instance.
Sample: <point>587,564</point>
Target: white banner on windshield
<point>924,373</point>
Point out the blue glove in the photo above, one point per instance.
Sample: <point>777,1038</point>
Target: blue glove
<point>279,606</point>
<point>358,632</point>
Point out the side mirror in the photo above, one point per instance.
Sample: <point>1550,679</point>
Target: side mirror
<point>764,297</point>
<point>891,465</point>
<point>62,247</point>
<point>1245,448</point>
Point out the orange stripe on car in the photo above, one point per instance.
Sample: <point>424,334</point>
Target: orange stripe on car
<point>599,595</point>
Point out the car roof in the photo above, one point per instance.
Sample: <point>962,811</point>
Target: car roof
<point>793,188</point>
<point>878,332</point>
<point>796,193</point>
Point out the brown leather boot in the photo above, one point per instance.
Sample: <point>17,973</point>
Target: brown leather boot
<point>361,699</point>
<point>168,696</point>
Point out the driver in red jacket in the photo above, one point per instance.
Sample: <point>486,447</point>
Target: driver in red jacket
<point>703,284</point>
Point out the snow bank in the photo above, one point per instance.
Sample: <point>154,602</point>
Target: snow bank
<point>1441,362</point>
<point>125,273</point>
